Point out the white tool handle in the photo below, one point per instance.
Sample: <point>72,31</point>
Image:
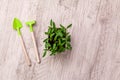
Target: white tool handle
<point>36,49</point>
<point>25,51</point>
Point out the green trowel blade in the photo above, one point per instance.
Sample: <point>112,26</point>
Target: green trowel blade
<point>17,24</point>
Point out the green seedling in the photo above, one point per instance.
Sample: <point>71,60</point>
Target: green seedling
<point>17,25</point>
<point>58,39</point>
<point>30,24</point>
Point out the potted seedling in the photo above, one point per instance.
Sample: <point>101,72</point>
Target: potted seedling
<point>58,39</point>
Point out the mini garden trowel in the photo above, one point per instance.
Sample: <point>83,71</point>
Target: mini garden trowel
<point>30,24</point>
<point>17,25</point>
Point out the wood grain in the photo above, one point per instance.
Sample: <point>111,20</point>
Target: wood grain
<point>95,40</point>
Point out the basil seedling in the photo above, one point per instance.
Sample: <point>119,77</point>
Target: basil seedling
<point>58,39</point>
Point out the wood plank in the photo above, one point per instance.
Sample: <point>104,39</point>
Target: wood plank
<point>95,40</point>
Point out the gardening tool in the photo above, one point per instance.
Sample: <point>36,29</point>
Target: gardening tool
<point>17,25</point>
<point>30,24</point>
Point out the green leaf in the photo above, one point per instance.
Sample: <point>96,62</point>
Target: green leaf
<point>54,26</point>
<point>55,38</point>
<point>51,35</point>
<point>47,45</point>
<point>51,22</point>
<point>69,26</point>
<point>59,42</point>
<point>63,39</point>
<point>68,46</point>
<point>44,54</point>
<point>49,27</point>
<point>52,53</point>
<point>54,46</point>
<point>52,30</point>
<point>59,33</point>
<point>46,40</point>
<point>63,28</point>
<point>49,30</point>
<point>69,38</point>
<point>67,33</point>
<point>47,33</point>
<point>61,49</point>
<point>63,43</point>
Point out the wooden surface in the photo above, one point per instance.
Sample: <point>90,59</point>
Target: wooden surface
<point>95,40</point>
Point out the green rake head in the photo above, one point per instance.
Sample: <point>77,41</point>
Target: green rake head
<point>30,24</point>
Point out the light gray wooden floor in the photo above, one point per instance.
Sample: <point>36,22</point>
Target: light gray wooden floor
<point>95,40</point>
